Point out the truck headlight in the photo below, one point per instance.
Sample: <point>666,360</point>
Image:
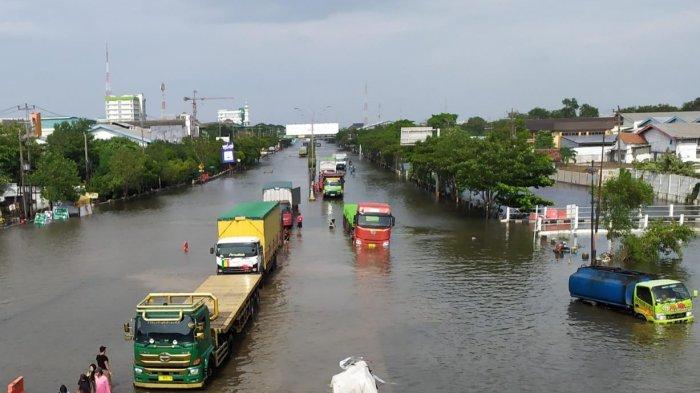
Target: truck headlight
<point>689,314</point>
<point>138,370</point>
<point>358,242</point>
<point>660,317</point>
<point>194,370</point>
<point>385,244</point>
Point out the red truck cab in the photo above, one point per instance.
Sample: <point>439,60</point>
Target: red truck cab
<point>373,223</point>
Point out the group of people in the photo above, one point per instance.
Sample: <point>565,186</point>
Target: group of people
<point>97,379</point>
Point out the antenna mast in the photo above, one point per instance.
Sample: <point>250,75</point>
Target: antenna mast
<point>162,100</point>
<point>108,81</point>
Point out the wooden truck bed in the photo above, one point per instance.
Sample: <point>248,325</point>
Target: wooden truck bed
<point>232,291</point>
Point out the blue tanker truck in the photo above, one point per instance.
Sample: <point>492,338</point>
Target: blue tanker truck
<point>644,295</point>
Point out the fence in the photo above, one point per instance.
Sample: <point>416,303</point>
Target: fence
<point>577,219</point>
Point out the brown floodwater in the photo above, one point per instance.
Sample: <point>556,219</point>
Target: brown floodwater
<point>457,304</point>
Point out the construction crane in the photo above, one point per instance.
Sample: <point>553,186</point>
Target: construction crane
<point>194,100</point>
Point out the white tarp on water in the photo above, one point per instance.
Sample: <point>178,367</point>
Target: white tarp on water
<point>355,379</point>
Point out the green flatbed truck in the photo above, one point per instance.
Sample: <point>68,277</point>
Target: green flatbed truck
<point>181,338</point>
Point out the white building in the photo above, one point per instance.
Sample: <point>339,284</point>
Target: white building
<point>631,147</point>
<point>240,116</point>
<point>109,131</point>
<point>680,139</point>
<point>637,121</point>
<point>411,135</point>
<point>130,107</point>
<point>589,147</point>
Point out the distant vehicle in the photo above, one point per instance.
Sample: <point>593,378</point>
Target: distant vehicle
<point>288,197</point>
<point>333,187</point>
<point>250,235</point>
<point>181,338</point>
<point>649,298</point>
<point>369,223</point>
<point>303,151</point>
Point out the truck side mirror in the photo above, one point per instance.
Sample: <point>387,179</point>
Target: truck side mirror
<point>128,336</point>
<point>695,293</point>
<point>211,250</point>
<point>393,221</point>
<point>199,336</point>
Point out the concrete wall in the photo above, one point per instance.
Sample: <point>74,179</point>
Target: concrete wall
<point>671,188</point>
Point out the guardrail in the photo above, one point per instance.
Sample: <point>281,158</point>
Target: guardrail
<point>575,219</point>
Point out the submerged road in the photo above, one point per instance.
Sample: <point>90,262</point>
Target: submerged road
<point>459,304</point>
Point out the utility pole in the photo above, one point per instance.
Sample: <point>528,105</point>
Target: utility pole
<point>511,115</point>
<point>23,189</point>
<point>591,171</point>
<point>618,120</point>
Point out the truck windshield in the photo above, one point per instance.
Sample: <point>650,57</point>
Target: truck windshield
<point>373,221</point>
<point>237,249</point>
<point>333,183</point>
<point>285,206</point>
<point>670,293</point>
<point>165,331</point>
<point>339,167</point>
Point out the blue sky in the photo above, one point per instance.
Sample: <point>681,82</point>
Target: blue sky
<point>416,56</point>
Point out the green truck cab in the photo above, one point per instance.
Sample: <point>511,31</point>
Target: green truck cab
<point>181,338</point>
<point>333,187</point>
<point>664,301</point>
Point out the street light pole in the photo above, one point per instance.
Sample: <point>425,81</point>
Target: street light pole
<point>591,171</point>
<point>312,151</point>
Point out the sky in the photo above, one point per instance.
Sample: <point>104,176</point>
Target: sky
<point>417,57</point>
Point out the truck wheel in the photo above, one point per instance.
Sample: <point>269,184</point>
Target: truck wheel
<point>210,368</point>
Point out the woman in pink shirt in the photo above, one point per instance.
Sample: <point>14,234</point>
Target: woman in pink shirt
<point>101,382</point>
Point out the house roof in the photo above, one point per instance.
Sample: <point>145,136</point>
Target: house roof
<point>629,119</point>
<point>119,131</point>
<point>590,140</point>
<point>675,130</point>
<point>632,139</point>
<point>571,124</point>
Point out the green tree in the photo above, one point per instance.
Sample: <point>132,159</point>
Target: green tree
<point>567,155</point>
<point>569,109</point>
<point>127,168</point>
<point>668,163</point>
<point>58,177</point>
<point>475,125</point>
<point>620,196</point>
<point>68,140</point>
<point>503,170</point>
<point>658,239</point>
<point>650,108</point>
<point>588,111</point>
<point>693,105</point>
<point>443,121</point>
<point>538,113</point>
<point>544,140</point>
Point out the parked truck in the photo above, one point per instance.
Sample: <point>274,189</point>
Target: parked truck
<point>369,223</point>
<point>644,295</point>
<point>180,338</point>
<point>303,151</point>
<point>250,235</point>
<point>333,186</point>
<point>288,197</point>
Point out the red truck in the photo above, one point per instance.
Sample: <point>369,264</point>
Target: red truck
<point>287,195</point>
<point>369,223</point>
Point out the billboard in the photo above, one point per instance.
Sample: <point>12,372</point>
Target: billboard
<point>305,129</point>
<point>228,155</point>
<point>411,135</point>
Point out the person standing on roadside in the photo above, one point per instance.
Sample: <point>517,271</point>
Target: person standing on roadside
<point>103,362</point>
<point>84,385</point>
<point>101,382</point>
<point>300,220</point>
<point>91,376</point>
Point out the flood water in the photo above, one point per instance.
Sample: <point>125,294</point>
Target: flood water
<point>459,304</point>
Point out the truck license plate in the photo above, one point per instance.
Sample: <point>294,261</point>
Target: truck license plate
<point>371,245</point>
<point>165,378</point>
